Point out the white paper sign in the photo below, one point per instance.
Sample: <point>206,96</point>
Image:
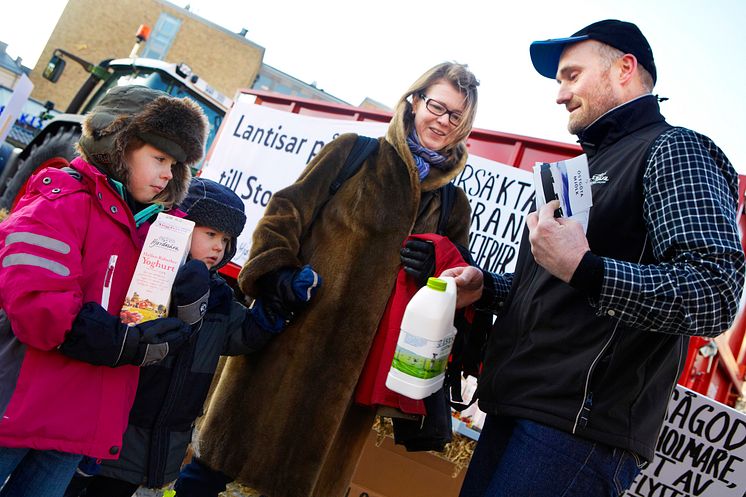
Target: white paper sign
<point>261,150</point>
<point>700,451</point>
<point>12,109</point>
<point>500,197</point>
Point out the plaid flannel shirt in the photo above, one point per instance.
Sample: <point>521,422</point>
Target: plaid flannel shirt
<point>690,191</point>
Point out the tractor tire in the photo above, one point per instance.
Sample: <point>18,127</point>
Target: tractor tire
<point>59,143</point>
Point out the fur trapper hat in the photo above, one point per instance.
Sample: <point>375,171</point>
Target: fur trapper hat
<point>177,126</point>
<point>216,206</point>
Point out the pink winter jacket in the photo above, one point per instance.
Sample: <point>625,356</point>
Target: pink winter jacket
<point>69,241</point>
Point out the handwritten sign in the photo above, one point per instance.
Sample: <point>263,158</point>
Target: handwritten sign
<point>700,451</point>
<point>500,197</point>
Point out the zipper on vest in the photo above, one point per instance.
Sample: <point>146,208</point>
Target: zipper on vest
<point>585,412</point>
<point>586,393</point>
<point>581,418</point>
<point>160,431</point>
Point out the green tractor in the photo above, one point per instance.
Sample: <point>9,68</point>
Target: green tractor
<point>59,136</point>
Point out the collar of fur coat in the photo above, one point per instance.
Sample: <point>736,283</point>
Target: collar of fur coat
<point>397,136</point>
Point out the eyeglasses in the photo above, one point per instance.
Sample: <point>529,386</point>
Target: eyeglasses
<point>438,109</point>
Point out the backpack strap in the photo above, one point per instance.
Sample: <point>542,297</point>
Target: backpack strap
<point>363,147</point>
<point>447,196</point>
<point>468,347</point>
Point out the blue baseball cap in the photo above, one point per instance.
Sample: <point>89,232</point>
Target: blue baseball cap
<point>624,36</point>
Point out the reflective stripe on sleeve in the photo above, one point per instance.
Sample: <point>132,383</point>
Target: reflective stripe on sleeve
<point>34,260</point>
<point>38,241</point>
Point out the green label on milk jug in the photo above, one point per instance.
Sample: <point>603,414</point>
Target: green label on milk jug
<point>420,357</point>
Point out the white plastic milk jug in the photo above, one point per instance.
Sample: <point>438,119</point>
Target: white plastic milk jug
<point>425,340</point>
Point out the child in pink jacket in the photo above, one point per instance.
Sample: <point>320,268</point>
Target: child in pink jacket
<point>68,251</point>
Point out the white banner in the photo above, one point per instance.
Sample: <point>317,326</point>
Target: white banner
<point>700,452</point>
<point>12,109</point>
<point>261,150</point>
<point>500,198</point>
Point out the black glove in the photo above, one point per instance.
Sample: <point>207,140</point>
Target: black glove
<point>418,259</point>
<point>285,291</point>
<point>191,291</point>
<point>101,339</point>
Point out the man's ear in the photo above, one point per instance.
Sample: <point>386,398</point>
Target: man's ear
<point>627,67</point>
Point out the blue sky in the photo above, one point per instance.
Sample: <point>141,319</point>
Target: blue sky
<point>353,51</point>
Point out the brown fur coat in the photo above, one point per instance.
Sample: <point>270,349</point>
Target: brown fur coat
<point>283,421</point>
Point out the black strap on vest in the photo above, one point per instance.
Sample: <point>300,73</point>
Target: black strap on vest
<point>447,196</point>
<point>363,147</point>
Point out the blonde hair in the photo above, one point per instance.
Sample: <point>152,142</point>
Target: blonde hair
<point>462,79</point>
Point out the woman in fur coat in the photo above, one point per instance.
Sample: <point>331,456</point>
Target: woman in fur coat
<point>285,422</point>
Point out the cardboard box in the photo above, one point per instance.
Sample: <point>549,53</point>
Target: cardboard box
<point>389,470</point>
<point>165,250</point>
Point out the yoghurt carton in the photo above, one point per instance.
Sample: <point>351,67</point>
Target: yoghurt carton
<point>165,250</point>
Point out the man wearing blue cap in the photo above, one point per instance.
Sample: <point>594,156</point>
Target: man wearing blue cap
<point>592,328</point>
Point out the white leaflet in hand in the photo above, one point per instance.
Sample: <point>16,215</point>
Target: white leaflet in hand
<point>568,181</point>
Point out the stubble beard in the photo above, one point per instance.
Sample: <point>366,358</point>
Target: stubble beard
<point>597,103</point>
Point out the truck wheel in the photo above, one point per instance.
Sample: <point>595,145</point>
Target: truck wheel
<point>60,143</point>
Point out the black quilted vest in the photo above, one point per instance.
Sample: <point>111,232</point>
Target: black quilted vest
<point>550,358</point>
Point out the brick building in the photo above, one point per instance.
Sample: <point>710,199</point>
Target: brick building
<point>95,30</point>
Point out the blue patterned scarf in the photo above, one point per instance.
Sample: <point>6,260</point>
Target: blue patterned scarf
<point>424,157</point>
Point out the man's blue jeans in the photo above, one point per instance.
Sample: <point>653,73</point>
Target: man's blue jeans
<point>521,458</point>
<point>36,473</point>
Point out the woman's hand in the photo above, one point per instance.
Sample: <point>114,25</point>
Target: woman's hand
<point>469,283</point>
